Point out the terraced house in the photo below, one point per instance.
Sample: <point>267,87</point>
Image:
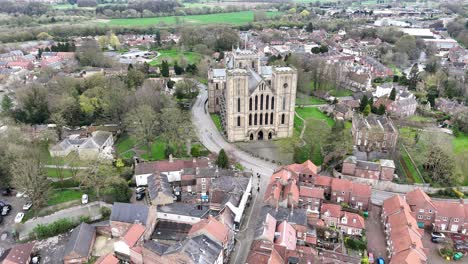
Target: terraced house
<point>255,102</point>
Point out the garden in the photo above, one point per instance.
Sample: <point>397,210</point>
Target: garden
<point>175,55</point>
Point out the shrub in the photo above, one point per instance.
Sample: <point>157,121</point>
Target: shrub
<point>458,193</point>
<point>68,183</point>
<point>355,244</point>
<point>55,228</point>
<point>105,212</point>
<point>195,151</point>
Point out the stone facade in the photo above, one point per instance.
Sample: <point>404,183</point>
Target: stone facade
<point>255,102</point>
<point>374,133</point>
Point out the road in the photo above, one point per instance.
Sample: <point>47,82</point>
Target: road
<point>211,138</point>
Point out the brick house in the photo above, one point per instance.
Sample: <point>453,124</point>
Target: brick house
<point>330,214</point>
<point>19,254</point>
<point>380,170</point>
<point>311,198</point>
<point>422,207</point>
<point>357,195</point>
<point>126,249</point>
<point>80,244</point>
<point>374,133</point>
<point>404,239</point>
<point>124,215</point>
<point>282,189</point>
<point>306,171</point>
<point>160,192</point>
<point>351,223</point>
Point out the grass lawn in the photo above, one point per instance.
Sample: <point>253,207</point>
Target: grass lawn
<point>234,18</point>
<point>341,93</point>
<point>124,143</point>
<point>172,55</point>
<point>421,119</point>
<point>309,100</point>
<point>460,144</point>
<point>157,151</point>
<point>217,121</point>
<point>314,113</point>
<point>409,168</point>
<point>54,173</point>
<point>62,196</point>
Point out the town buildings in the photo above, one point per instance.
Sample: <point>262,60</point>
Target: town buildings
<point>374,133</point>
<point>255,102</point>
<point>383,169</point>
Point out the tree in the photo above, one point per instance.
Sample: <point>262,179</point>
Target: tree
<point>195,151</point>
<point>381,109</point>
<point>7,104</point>
<point>143,124</point>
<point>323,49</point>
<point>29,177</point>
<point>315,50</point>
<point>176,127</point>
<point>89,54</point>
<point>135,78</point>
<point>367,110</point>
<point>164,69</point>
<point>364,102</point>
<point>177,69</point>
<point>59,121</point>
<point>33,105</point>
<point>310,27</point>
<point>97,177</point>
<point>192,69</point>
<point>222,161</point>
<point>413,77</point>
<point>392,95</point>
<point>44,36</point>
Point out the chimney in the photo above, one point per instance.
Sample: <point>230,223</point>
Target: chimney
<point>170,158</point>
<point>194,160</point>
<point>197,170</point>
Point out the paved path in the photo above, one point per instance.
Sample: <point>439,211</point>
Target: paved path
<point>93,210</point>
<point>66,167</point>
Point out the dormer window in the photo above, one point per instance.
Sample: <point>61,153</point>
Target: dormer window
<point>344,220</point>
<point>455,220</point>
<point>421,210</point>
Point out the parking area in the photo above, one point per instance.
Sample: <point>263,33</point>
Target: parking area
<point>376,241</point>
<point>8,223</point>
<point>433,256</point>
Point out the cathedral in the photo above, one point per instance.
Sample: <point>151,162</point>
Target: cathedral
<point>254,101</point>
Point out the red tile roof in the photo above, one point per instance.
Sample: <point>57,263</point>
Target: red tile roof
<point>107,259</point>
<point>269,228</point>
<point>212,227</point>
<point>354,220</point>
<point>334,210</point>
<point>341,185</point>
<point>133,234</point>
<point>287,236</point>
<point>362,190</point>
<point>393,205</point>
<point>308,167</point>
<point>419,199</point>
<point>451,209</point>
<point>19,254</point>
<point>311,192</point>
<point>323,180</point>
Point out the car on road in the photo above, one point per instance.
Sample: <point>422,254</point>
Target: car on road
<point>19,217</point>
<point>380,260</point>
<point>437,239</point>
<point>84,199</point>
<point>6,210</point>
<point>140,196</point>
<point>140,190</point>
<point>437,234</point>
<point>27,206</point>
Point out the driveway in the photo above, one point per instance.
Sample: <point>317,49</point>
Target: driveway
<point>376,241</point>
<point>433,256</point>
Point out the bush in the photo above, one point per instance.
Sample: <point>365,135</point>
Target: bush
<point>105,212</point>
<point>68,183</point>
<point>355,244</point>
<point>55,228</point>
<point>458,193</point>
<point>195,151</point>
<point>118,192</point>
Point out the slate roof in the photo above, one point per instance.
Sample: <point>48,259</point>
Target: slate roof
<point>184,209</point>
<point>157,184</point>
<point>297,216</point>
<point>81,240</point>
<point>201,249</point>
<point>155,247</point>
<point>19,254</point>
<point>129,213</point>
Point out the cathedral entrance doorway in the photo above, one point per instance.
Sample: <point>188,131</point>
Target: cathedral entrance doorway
<point>251,136</point>
<point>260,135</point>
<point>269,136</point>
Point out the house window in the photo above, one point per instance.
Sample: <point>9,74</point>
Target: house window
<point>238,121</point>
<point>342,193</point>
<point>271,119</point>
<point>256,102</point>
<point>284,103</point>
<point>261,102</point>
<point>250,104</point>
<point>261,119</point>
<point>282,119</point>
<point>352,199</point>
<point>240,64</point>
<point>420,217</point>
<point>266,119</point>
<point>266,102</point>
<point>203,180</point>
<point>238,105</point>
<point>444,218</point>
<point>421,210</point>
<point>285,85</point>
<point>428,217</point>
<point>272,102</point>
<point>203,186</point>
<point>217,101</point>
<point>250,119</point>
<point>430,211</point>
<point>455,220</point>
<point>255,119</point>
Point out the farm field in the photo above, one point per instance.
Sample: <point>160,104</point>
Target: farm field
<point>172,55</point>
<point>234,18</point>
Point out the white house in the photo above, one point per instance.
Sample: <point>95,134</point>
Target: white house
<point>98,146</point>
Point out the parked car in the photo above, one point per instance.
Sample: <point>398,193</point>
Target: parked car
<point>437,234</point>
<point>437,239</point>
<point>27,206</point>
<point>371,258</point>
<point>35,259</point>
<point>140,196</point>
<point>6,210</point>
<point>19,217</point>
<point>380,260</point>
<point>462,247</point>
<point>21,194</point>
<point>84,199</point>
<point>140,190</point>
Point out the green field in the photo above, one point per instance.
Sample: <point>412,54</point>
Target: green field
<point>62,196</point>
<point>54,173</point>
<point>172,55</point>
<point>234,18</point>
<point>302,99</point>
<point>157,151</point>
<point>460,144</point>
<point>314,113</point>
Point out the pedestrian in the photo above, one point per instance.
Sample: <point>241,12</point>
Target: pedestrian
<point>258,189</point>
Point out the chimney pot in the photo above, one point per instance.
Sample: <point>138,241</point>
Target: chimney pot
<point>170,158</point>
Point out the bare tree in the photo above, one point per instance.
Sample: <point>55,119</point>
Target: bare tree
<point>142,123</point>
